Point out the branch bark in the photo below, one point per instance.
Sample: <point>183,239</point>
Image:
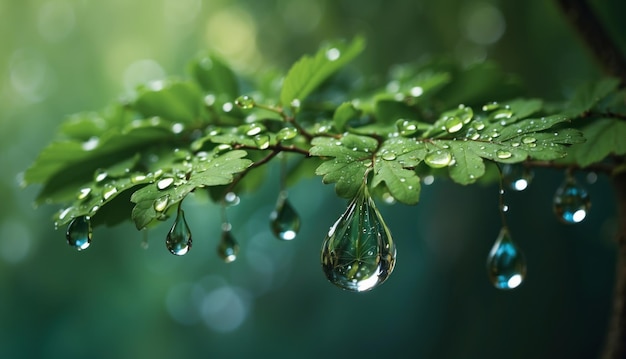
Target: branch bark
<point>584,20</point>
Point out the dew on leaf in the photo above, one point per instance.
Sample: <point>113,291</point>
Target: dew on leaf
<point>178,240</point>
<point>227,107</point>
<point>284,220</point>
<point>438,159</point>
<point>161,203</point>
<point>503,154</point>
<point>286,133</point>
<point>84,193</point>
<point>453,124</point>
<point>333,54</point>
<point>79,233</point>
<point>263,141</point>
<point>416,91</point>
<point>506,265</point>
<point>164,183</point>
<point>502,113</point>
<point>389,156</point>
<point>245,102</point>
<point>108,191</point>
<point>358,254</point>
<point>100,175</point>
<point>178,128</point>
<point>406,127</point>
<point>491,106</point>
<point>571,202</point>
<point>527,140</point>
<point>91,144</point>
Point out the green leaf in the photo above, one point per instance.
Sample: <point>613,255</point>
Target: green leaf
<point>310,72</point>
<point>206,172</point>
<point>174,101</point>
<point>468,165</point>
<point>344,113</point>
<point>215,77</point>
<point>605,136</point>
<point>352,157</point>
<point>587,96</point>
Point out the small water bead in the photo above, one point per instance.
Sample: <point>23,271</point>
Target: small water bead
<point>83,193</point>
<point>358,253</point>
<point>245,102</point>
<point>478,125</point>
<point>252,129</point>
<point>164,183</point>
<point>506,265</point>
<point>228,248</point>
<point>502,113</point>
<point>416,91</point>
<point>465,114</point>
<point>231,199</point>
<point>227,107</point>
<point>137,178</point>
<point>406,127</point>
<point>108,191</point>
<point>528,140</point>
<point>453,124</point>
<point>333,54</point>
<point>263,141</point>
<point>491,106</point>
<point>178,240</point>
<point>178,128</point>
<point>284,220</point>
<point>286,133</point>
<point>100,175</point>
<point>438,159</point>
<point>571,202</point>
<point>160,204</point>
<point>389,156</point>
<point>79,233</point>
<point>502,154</point>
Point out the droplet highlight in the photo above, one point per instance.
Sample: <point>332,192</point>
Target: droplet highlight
<point>506,265</point>
<point>571,202</point>
<point>284,220</point>
<point>358,254</point>
<point>79,233</point>
<point>178,240</point>
<point>245,102</point>
<point>438,159</point>
<point>228,248</point>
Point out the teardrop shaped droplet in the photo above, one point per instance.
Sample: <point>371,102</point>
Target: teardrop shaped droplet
<point>506,265</point>
<point>358,254</point>
<point>571,202</point>
<point>517,177</point>
<point>228,247</point>
<point>284,220</point>
<point>178,239</point>
<point>245,102</point>
<point>79,233</point>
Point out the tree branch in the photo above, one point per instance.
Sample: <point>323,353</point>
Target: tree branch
<point>585,21</point>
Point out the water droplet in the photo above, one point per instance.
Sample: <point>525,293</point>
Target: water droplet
<point>231,199</point>
<point>295,103</point>
<point>137,178</point>
<point>100,175</point>
<point>178,239</point>
<point>406,128</point>
<point>91,144</point>
<point>571,202</point>
<point>252,129</point>
<point>164,183</point>
<point>527,140</point>
<point>245,102</point>
<point>517,177</point>
<point>284,220</point>
<point>453,124</point>
<point>502,113</point>
<point>416,91</point>
<point>389,156</point>
<point>263,141</point>
<point>333,54</point>
<point>506,265</point>
<point>358,254</point>
<point>478,125</point>
<point>286,133</point>
<point>438,159</point>
<point>502,154</point>
<point>79,233</point>
<point>228,248</point>
<point>178,128</point>
<point>491,106</point>
<point>227,107</point>
<point>108,191</point>
<point>160,204</point>
<point>84,193</point>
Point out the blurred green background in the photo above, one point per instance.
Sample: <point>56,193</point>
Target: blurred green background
<point>120,300</point>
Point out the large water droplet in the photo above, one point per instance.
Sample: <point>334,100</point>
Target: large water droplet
<point>506,265</point>
<point>453,124</point>
<point>228,248</point>
<point>358,253</point>
<point>160,204</point>
<point>178,239</point>
<point>406,127</point>
<point>438,159</point>
<point>286,133</point>
<point>100,175</point>
<point>84,193</point>
<point>245,102</point>
<point>79,233</point>
<point>284,220</point>
<point>164,183</point>
<point>108,191</point>
<point>517,177</point>
<point>571,202</point>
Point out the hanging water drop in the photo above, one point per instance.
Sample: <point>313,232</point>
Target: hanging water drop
<point>245,102</point>
<point>231,199</point>
<point>506,265</point>
<point>178,239</point>
<point>517,177</point>
<point>79,232</point>
<point>284,220</point>
<point>358,254</point>
<point>228,248</point>
<point>571,202</point>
